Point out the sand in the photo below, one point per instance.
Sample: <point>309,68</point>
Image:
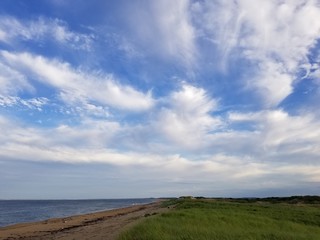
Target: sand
<point>101,225</point>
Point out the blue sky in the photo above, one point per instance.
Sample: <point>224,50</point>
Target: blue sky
<point>115,99</point>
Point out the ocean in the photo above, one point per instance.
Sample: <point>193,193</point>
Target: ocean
<point>21,211</point>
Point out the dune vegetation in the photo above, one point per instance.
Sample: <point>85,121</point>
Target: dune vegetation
<point>272,218</point>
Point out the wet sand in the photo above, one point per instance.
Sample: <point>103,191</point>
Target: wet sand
<point>101,225</point>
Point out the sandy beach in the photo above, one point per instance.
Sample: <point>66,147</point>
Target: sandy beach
<point>100,225</point>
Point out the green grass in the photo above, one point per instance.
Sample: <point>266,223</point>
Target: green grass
<point>220,219</point>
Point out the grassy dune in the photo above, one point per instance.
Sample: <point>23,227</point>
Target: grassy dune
<point>230,219</point>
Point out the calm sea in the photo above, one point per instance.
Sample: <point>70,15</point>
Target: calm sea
<point>19,211</point>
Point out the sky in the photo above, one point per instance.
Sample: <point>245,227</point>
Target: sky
<point>142,98</point>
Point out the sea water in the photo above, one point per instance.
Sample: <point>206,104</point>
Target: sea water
<point>21,211</point>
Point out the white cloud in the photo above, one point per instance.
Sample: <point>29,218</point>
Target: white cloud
<point>284,134</point>
<point>12,81</point>
<point>273,83</point>
<point>8,101</point>
<point>281,136</point>
<point>220,23</point>
<point>276,36</point>
<point>187,120</point>
<point>76,86</point>
<point>3,35</point>
<point>313,71</point>
<point>12,29</point>
<point>91,134</point>
<point>31,103</point>
<point>238,116</point>
<point>35,103</point>
<point>164,28</point>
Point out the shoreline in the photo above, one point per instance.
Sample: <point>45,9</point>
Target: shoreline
<point>59,208</point>
<point>96,225</point>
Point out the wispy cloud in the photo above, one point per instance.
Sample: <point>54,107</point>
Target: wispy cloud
<point>165,30</point>
<point>75,86</point>
<point>13,30</point>
<point>187,120</point>
<point>12,81</point>
<point>283,136</point>
<point>32,103</point>
<point>274,36</point>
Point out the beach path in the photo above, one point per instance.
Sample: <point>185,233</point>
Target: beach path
<point>94,226</point>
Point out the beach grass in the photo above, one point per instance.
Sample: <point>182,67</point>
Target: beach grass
<point>225,219</point>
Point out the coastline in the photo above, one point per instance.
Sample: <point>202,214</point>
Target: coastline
<point>98,225</point>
